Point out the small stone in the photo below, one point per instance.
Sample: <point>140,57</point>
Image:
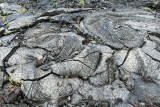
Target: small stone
<point>1,100</point>
<point>69,98</point>
<point>39,63</point>
<point>60,82</point>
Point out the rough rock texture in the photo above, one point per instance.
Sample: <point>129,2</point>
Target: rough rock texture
<point>103,53</point>
<point>123,28</point>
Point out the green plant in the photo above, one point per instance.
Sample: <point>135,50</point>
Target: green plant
<point>23,11</point>
<point>153,5</point>
<point>27,24</point>
<point>39,14</point>
<point>4,18</point>
<point>8,24</point>
<point>83,2</point>
<point>20,29</point>
<point>18,83</point>
<point>9,32</point>
<point>66,77</point>
<point>146,9</point>
<point>5,33</point>
<point>130,4</point>
<point>10,80</point>
<point>56,4</point>
<point>49,5</point>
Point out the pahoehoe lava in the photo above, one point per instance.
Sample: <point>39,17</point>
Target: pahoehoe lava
<point>100,53</point>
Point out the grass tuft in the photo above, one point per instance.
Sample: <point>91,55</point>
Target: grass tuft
<point>83,3</point>
<point>4,18</point>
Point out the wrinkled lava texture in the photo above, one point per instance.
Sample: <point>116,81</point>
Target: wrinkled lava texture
<point>66,53</point>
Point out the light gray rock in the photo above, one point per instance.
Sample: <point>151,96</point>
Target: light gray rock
<point>90,61</point>
<point>123,28</point>
<point>145,92</point>
<point>58,11</point>
<point>21,22</point>
<point>4,51</point>
<point>107,92</point>
<point>140,63</point>
<point>62,46</point>
<point>10,8</point>
<point>119,57</point>
<point>6,40</point>
<point>23,64</point>
<point>58,65</point>
<point>48,90</point>
<point>152,49</point>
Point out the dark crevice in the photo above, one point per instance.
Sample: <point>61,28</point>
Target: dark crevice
<point>99,60</point>
<point>36,47</point>
<point>125,58</point>
<point>142,44</point>
<point>24,29</point>
<point>128,87</point>
<point>14,49</point>
<point>60,22</point>
<point>58,75</point>
<point>113,48</point>
<point>55,13</point>
<point>3,68</point>
<point>90,54</point>
<point>37,79</point>
<point>80,62</point>
<point>88,38</point>
<point>152,57</point>
<point>111,74</point>
<point>154,34</point>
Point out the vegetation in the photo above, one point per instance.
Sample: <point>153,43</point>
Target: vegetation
<point>10,80</point>
<point>83,3</point>
<point>27,24</point>
<point>4,18</point>
<point>95,37</point>
<point>39,14</point>
<point>130,4</point>
<point>16,83</point>
<point>56,4</point>
<point>8,24</point>
<point>154,6</point>
<point>23,11</point>
<point>20,29</point>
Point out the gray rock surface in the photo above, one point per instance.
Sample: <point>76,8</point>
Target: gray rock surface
<point>103,53</point>
<point>21,22</point>
<point>118,28</point>
<point>10,9</point>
